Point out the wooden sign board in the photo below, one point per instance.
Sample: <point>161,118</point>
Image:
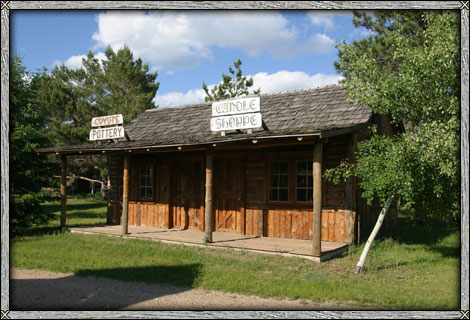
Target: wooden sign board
<point>235,106</point>
<point>237,121</point>
<point>107,133</point>
<point>107,120</point>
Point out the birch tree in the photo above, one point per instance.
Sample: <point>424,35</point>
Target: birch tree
<point>409,68</point>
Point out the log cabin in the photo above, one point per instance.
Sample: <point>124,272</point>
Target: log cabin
<point>174,172</point>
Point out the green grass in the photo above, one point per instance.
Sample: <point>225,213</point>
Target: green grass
<point>419,270</point>
<point>80,212</point>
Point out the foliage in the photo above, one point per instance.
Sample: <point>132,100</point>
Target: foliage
<point>28,173</point>
<point>409,69</point>
<point>231,86</point>
<point>128,86</point>
<point>71,97</point>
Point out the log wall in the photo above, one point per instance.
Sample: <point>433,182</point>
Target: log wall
<point>337,225</point>
<point>147,214</point>
<point>345,216</point>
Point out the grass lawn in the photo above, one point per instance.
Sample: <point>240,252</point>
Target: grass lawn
<point>418,271</point>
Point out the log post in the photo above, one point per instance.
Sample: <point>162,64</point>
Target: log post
<point>125,196</point>
<point>317,197</point>
<point>208,201</point>
<point>63,193</point>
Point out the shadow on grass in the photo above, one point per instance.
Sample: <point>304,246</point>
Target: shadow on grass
<point>80,292</point>
<point>409,232</point>
<point>78,215</point>
<point>86,215</point>
<point>437,238</point>
<point>175,275</point>
<point>55,207</point>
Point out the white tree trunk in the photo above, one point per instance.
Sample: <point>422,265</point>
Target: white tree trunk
<point>374,232</point>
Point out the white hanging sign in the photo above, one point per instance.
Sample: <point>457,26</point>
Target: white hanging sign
<point>110,132</point>
<point>107,133</point>
<point>235,122</point>
<point>107,120</point>
<point>235,106</point>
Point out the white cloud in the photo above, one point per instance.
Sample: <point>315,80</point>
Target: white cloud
<point>291,80</point>
<point>75,62</point>
<point>361,33</point>
<point>178,39</point>
<point>325,18</point>
<point>268,83</point>
<point>178,98</point>
<point>319,43</point>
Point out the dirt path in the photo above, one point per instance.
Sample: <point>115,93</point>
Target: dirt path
<point>45,290</point>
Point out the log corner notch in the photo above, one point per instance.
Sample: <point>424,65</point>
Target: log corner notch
<point>208,199</point>
<point>63,193</point>
<point>125,196</point>
<point>317,198</point>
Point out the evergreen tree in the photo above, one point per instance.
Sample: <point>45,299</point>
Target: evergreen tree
<point>71,97</point>
<point>128,86</point>
<point>66,101</point>
<point>28,172</point>
<point>232,86</point>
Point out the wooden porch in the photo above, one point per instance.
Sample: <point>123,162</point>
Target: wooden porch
<point>223,240</point>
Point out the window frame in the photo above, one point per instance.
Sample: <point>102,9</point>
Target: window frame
<point>291,157</point>
<point>134,180</point>
<point>139,182</point>
<point>268,187</point>
<point>296,187</point>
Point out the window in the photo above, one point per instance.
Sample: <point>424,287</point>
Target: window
<point>304,181</point>
<point>279,181</point>
<point>146,181</point>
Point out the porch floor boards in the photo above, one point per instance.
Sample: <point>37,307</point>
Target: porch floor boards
<point>223,239</point>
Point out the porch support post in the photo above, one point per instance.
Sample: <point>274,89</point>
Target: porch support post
<point>317,197</point>
<point>125,196</point>
<point>63,193</point>
<point>208,201</point>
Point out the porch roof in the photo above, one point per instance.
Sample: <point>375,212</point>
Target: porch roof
<point>322,111</point>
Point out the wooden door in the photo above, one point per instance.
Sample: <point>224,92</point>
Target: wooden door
<point>229,193</point>
<point>187,185</point>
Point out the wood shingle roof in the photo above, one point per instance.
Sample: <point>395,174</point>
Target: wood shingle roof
<point>302,112</point>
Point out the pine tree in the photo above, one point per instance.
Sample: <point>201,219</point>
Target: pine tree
<point>231,86</point>
<point>28,172</point>
<point>128,86</point>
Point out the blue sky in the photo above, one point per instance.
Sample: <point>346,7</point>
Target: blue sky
<point>281,50</point>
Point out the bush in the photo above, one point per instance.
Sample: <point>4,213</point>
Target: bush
<point>25,211</point>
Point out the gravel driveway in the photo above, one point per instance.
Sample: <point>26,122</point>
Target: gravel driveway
<point>45,290</point>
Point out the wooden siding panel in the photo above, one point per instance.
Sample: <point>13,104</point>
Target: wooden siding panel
<point>282,224</point>
<point>324,225</point>
<point>342,227</point>
<point>298,224</point>
<point>331,226</point>
<point>138,215</point>
<point>130,218</point>
<point>288,224</point>
<point>249,223</point>
<point>306,226</point>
